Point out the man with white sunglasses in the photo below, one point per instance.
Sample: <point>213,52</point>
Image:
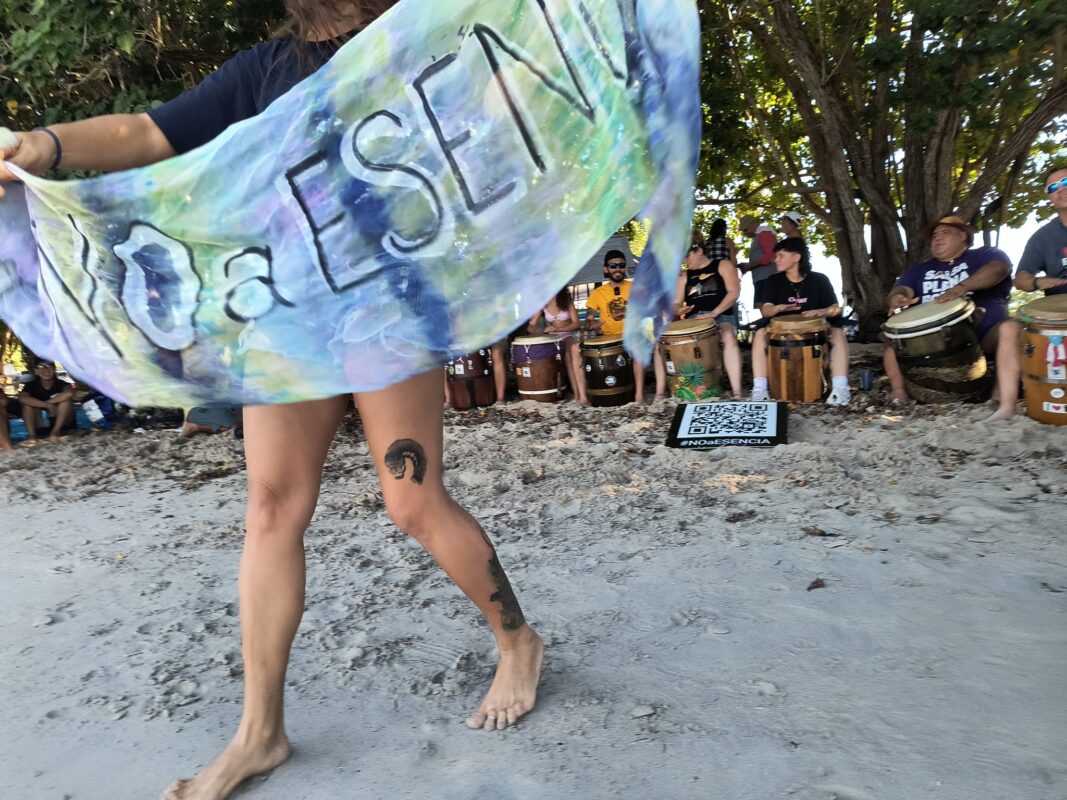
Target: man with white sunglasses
<point>1046,252</point>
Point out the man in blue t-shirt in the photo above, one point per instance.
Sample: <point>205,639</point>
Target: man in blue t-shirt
<point>1046,252</point>
<point>956,270</point>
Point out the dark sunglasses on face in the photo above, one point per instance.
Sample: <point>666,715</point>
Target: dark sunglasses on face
<point>617,265</point>
<point>1060,184</point>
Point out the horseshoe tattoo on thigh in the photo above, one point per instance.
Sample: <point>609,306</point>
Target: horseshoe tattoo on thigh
<point>396,460</point>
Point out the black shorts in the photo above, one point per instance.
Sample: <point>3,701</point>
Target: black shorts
<point>12,406</point>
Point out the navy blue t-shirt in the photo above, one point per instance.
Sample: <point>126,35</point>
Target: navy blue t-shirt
<point>241,88</point>
<point>933,278</point>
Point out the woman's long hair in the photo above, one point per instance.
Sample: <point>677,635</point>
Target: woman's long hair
<point>718,230</point>
<point>311,19</point>
<point>797,245</point>
<point>564,301</point>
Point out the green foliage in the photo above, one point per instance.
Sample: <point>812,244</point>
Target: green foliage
<point>930,73</point>
<point>70,59</point>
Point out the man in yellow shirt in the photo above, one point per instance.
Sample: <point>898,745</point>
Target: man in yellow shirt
<point>606,313</point>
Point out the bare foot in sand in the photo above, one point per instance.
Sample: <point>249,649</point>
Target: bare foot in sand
<point>238,762</point>
<point>514,689</point>
<point>1001,415</point>
<point>899,397</point>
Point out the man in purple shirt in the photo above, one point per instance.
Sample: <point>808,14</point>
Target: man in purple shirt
<point>958,269</point>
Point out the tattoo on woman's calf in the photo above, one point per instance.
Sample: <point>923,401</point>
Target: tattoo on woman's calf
<point>511,616</point>
<point>397,456</point>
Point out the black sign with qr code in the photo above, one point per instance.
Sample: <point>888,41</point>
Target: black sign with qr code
<point>699,426</point>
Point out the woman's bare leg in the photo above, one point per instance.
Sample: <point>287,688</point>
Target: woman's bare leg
<point>285,447</point>
<point>574,369</point>
<point>403,425</point>
<point>500,371</point>
<point>731,358</point>
<point>760,368</point>
<point>838,353</point>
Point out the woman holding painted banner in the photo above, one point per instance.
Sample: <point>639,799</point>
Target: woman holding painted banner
<point>403,423</point>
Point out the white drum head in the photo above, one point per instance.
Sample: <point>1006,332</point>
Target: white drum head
<point>929,316</point>
<point>530,341</point>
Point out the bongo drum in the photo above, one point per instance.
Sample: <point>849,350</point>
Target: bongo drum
<point>939,352</point>
<point>691,355</point>
<point>796,358</point>
<point>536,360</point>
<point>470,380</point>
<point>1045,359</point>
<point>609,372</point>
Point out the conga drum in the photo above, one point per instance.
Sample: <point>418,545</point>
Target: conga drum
<point>692,357</point>
<point>609,372</point>
<point>470,380</point>
<point>1045,358</point>
<point>536,360</point>
<point>939,352</point>
<point>796,358</point>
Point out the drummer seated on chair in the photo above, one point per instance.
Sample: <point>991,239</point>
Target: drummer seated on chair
<point>710,290</point>
<point>956,270</point>
<point>796,290</point>
<point>608,302</point>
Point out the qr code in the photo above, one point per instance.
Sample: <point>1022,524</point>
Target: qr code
<point>731,419</point>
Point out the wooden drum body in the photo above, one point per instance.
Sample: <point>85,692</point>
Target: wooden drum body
<point>470,380</point>
<point>536,360</point>
<point>796,358</point>
<point>1045,359</point>
<point>609,372</point>
<point>693,359</point>
<point>939,352</point>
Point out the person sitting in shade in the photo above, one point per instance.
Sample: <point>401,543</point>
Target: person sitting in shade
<point>47,393</point>
<point>559,319</point>
<point>607,313</point>
<point>795,290</point>
<point>956,270</point>
<point>710,289</point>
<point>203,420</point>
<point>1043,267</point>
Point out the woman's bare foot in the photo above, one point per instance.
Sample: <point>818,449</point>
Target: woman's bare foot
<point>514,689</point>
<point>1001,414</point>
<point>238,762</point>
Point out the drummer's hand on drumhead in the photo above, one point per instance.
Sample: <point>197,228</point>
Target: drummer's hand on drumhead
<point>786,307</point>
<point>955,293</point>
<point>815,313</point>
<point>33,151</point>
<point>681,310</point>
<point>899,301</point>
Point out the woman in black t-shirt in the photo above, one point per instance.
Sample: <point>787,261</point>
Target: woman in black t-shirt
<point>710,289</point>
<point>286,446</point>
<point>795,290</point>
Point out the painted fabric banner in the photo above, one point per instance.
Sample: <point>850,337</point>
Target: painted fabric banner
<point>420,196</point>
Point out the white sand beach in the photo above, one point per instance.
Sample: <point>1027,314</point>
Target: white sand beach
<point>689,654</point>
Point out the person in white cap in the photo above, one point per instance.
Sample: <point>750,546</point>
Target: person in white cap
<point>790,223</point>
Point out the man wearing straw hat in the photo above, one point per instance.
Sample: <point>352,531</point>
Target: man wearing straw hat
<point>956,270</point>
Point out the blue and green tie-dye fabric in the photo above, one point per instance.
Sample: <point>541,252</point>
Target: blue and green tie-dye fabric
<point>420,196</point>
